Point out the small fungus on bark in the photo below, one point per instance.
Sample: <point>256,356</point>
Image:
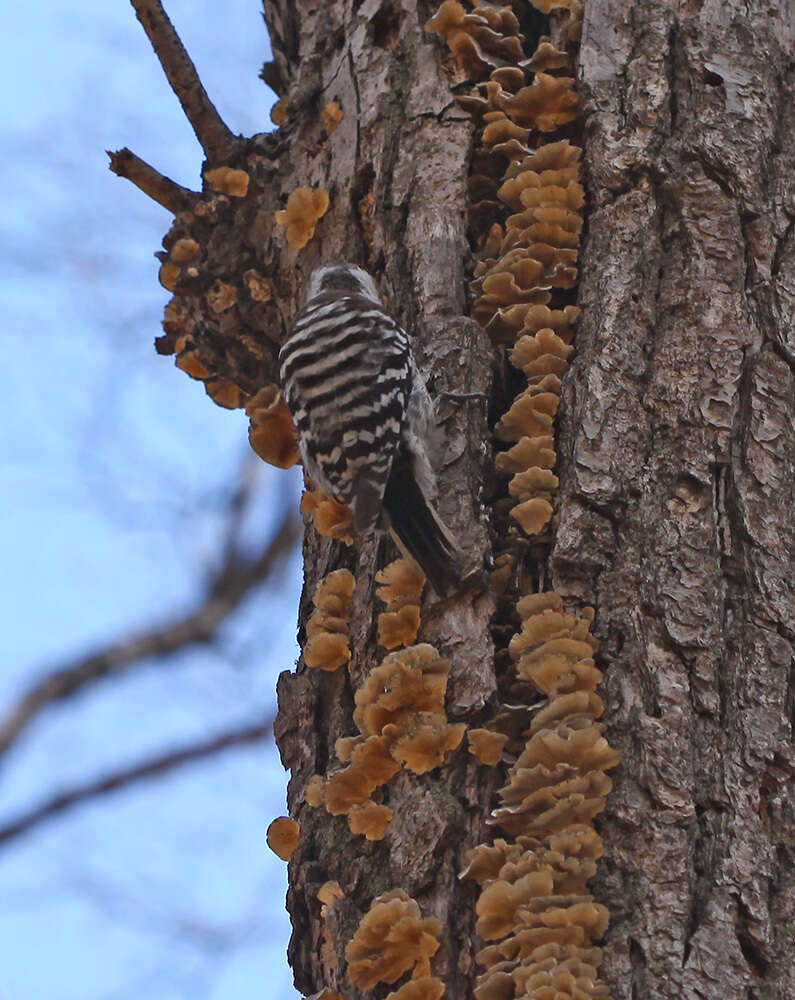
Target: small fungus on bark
<point>305,206</point>
<point>282,837</point>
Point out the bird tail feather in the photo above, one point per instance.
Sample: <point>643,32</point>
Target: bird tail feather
<point>420,532</point>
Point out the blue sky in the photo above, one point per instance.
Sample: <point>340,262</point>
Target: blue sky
<point>115,466</point>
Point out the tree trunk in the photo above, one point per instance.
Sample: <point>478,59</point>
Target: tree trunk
<point>677,464</point>
<point>673,447</point>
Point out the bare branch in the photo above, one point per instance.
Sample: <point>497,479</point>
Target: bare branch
<point>163,190</point>
<point>139,772</point>
<point>211,131</point>
<point>227,589</point>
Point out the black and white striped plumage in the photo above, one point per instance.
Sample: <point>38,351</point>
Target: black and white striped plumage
<point>364,416</point>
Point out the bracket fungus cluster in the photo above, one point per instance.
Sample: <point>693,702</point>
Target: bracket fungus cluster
<point>402,582</point>
<point>525,214</point>
<point>402,723</point>
<point>392,939</point>
<point>534,911</point>
<point>482,40</point>
<point>210,323</point>
<point>215,324</point>
<point>326,646</point>
<point>486,745</point>
<point>534,902</point>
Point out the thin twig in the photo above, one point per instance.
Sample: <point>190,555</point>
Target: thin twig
<point>226,590</point>
<point>164,191</point>
<point>211,131</point>
<point>154,767</point>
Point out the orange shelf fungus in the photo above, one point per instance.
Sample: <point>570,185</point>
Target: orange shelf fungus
<point>535,511</point>
<point>573,707</point>
<point>553,807</point>
<point>401,587</point>
<point>225,393</point>
<point>371,765</point>
<point>175,316</point>
<point>403,701</point>
<point>399,628</point>
<point>487,860</point>
<point>392,938</point>
<point>184,250</point>
<point>332,115</point>
<point>188,359</point>
<point>480,40</point>
<point>328,894</point>
<point>227,180</point>
<point>425,988</point>
<point>401,582</point>
<point>330,517</point>
<point>533,482</point>
<point>424,739</point>
<point>560,753</point>
<point>547,56</point>
<point>315,791</point>
<point>532,412</point>
<point>305,207</point>
<point>271,431</point>
<point>370,819</point>
<point>326,645</point>
<point>561,155</point>
<point>532,174</point>
<point>500,900</point>
<point>528,453</point>
<point>168,274</point>
<point>539,354</point>
<point>282,837</point>
<point>530,422</point>
<point>279,112</point>
<point>509,323</point>
<point>500,128</point>
<point>548,103</point>
<point>536,249</point>
<point>409,681</point>
<point>486,745</point>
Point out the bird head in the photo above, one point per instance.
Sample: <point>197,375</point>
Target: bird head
<point>341,280</point>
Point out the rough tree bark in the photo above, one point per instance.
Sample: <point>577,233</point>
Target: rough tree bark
<point>674,516</point>
<point>677,463</point>
<point>677,497</point>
